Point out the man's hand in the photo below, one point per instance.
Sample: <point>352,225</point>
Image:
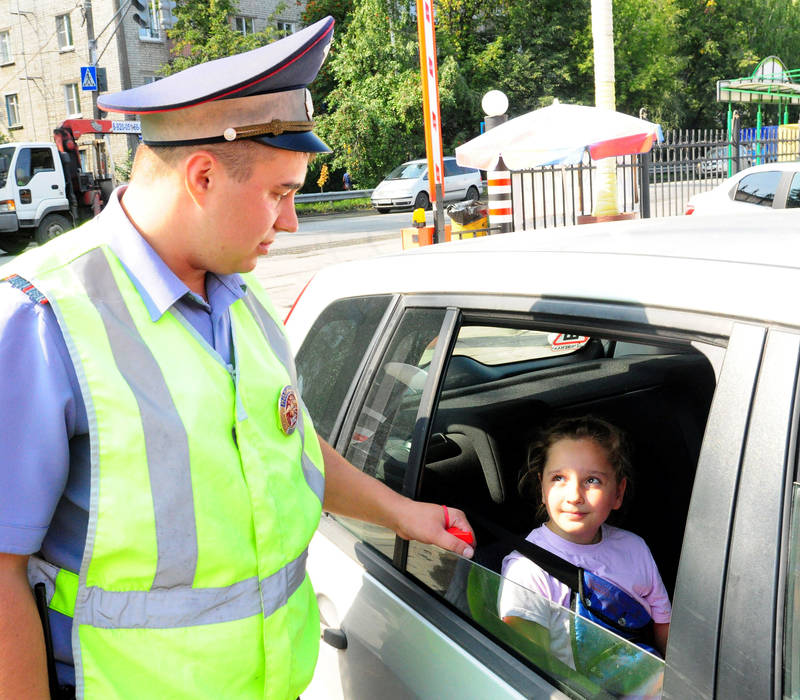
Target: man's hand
<point>350,492</point>
<point>428,523</point>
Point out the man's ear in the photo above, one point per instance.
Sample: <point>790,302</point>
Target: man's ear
<point>200,171</point>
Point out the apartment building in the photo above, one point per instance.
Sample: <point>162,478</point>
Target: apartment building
<point>44,44</point>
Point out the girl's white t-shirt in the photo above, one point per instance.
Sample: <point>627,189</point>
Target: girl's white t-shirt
<point>620,557</point>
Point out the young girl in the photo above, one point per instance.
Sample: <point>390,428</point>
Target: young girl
<point>578,472</point>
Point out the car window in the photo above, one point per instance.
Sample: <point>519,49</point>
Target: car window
<point>492,345</point>
<point>380,443</point>
<point>331,354</point>
<point>6,154</point>
<point>791,628</point>
<point>32,161</point>
<point>485,422</point>
<point>574,652</point>
<point>758,188</point>
<point>793,199</point>
<point>408,171</point>
<point>451,169</point>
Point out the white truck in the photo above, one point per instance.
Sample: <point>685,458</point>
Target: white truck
<point>44,188</point>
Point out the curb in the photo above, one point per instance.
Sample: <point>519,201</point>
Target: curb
<point>334,243</point>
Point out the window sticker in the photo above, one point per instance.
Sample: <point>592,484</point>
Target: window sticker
<point>560,342</point>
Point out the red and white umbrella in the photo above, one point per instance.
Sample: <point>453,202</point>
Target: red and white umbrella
<point>559,135</point>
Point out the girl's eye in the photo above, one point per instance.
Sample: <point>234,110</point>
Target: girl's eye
<point>593,480</point>
<point>556,477</point>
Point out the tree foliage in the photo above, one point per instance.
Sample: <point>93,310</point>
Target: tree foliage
<point>203,32</point>
<point>668,56</point>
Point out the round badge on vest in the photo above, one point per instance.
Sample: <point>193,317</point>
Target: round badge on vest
<point>288,409</point>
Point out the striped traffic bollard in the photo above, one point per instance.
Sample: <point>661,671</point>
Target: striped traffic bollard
<point>499,188</point>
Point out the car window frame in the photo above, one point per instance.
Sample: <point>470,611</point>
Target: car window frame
<point>380,332</point>
<point>758,548</point>
<point>628,322</point>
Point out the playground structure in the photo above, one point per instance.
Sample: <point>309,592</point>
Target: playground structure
<point>771,83</point>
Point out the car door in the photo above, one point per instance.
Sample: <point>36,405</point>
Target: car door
<point>376,643</point>
<point>752,631</point>
<point>454,180</point>
<point>38,181</point>
<point>390,606</point>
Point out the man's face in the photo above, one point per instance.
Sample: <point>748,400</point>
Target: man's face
<point>246,216</point>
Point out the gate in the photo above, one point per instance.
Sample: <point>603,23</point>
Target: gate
<point>659,183</point>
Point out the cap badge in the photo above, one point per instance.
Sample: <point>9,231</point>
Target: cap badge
<point>288,409</point>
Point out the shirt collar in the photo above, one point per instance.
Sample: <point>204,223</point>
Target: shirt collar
<point>157,284</point>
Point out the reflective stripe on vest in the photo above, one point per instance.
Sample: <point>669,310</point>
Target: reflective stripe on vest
<point>177,608</point>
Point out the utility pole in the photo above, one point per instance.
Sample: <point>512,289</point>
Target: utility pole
<point>25,64</point>
<point>87,15</point>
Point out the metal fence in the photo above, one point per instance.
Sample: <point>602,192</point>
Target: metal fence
<point>659,183</point>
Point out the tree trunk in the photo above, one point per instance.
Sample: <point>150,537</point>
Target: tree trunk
<point>604,96</point>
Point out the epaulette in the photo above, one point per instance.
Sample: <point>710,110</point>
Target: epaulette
<point>24,286</point>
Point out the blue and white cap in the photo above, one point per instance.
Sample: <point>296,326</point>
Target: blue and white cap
<point>259,95</point>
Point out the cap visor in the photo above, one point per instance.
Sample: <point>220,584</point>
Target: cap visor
<point>305,141</point>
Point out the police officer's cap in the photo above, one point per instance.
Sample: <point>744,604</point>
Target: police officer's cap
<point>259,95</point>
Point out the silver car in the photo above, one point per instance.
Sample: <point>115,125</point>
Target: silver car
<point>433,369</point>
<point>407,185</point>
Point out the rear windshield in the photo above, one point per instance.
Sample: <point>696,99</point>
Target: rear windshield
<point>408,171</point>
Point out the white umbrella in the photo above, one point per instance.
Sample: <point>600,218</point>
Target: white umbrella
<point>559,135</point>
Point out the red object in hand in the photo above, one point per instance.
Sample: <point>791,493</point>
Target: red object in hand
<point>465,535</point>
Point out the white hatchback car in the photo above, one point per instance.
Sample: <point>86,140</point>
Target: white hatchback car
<point>433,369</point>
<point>772,186</point>
<point>407,185</point>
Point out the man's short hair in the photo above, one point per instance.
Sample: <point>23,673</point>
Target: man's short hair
<point>238,158</point>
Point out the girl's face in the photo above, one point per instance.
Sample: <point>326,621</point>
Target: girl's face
<point>579,489</point>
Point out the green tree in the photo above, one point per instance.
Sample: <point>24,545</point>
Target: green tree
<point>342,13</point>
<point>203,32</point>
<point>646,66</point>
<point>375,119</point>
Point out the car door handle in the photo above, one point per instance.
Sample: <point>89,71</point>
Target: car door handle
<point>335,637</point>
<point>53,187</point>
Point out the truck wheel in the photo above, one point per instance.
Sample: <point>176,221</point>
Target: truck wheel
<point>51,226</point>
<point>14,246</point>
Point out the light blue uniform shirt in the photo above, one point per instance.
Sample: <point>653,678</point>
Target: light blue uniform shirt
<point>44,441</point>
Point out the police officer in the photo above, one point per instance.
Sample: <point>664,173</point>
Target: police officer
<point>160,477</point>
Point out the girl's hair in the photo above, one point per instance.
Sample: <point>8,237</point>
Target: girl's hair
<point>606,435</point>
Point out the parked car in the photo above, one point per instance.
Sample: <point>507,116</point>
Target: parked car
<point>773,186</point>
<point>720,157</point>
<point>407,185</point>
<point>433,369</point>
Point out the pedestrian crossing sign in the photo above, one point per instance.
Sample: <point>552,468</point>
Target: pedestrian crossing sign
<point>89,78</point>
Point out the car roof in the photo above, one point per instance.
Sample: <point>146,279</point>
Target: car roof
<point>778,165</point>
<point>425,160</point>
<point>736,266</point>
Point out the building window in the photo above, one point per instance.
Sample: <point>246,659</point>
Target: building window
<point>244,25</point>
<point>151,16</point>
<point>64,32</point>
<point>12,110</point>
<point>72,99</point>
<point>285,28</point>
<point>5,48</point>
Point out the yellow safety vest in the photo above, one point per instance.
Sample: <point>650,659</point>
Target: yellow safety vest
<point>193,581</point>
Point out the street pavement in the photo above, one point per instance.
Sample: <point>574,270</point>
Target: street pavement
<point>294,258</point>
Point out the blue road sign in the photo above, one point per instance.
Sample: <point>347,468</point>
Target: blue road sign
<point>89,78</point>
